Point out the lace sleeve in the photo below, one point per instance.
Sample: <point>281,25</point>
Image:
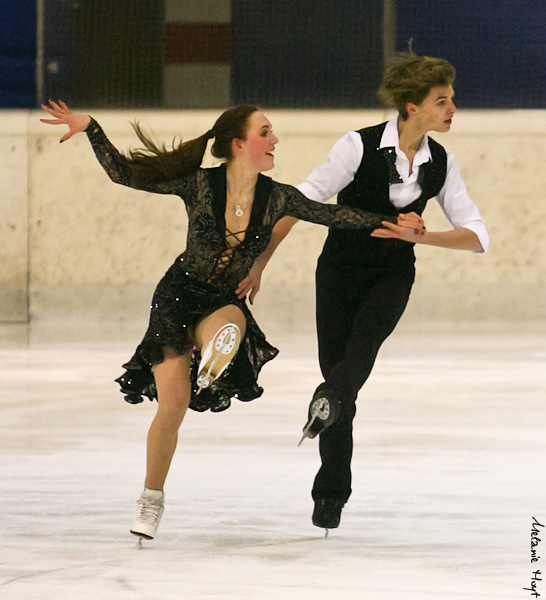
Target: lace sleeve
<point>331,215</point>
<point>118,168</point>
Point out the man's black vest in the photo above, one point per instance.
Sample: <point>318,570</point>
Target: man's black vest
<point>369,190</point>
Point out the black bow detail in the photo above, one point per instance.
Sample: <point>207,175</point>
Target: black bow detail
<point>390,159</point>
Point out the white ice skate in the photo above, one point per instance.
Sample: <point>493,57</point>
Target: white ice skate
<point>217,355</point>
<point>149,509</point>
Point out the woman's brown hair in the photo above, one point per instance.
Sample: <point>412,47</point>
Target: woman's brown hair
<point>156,164</point>
<point>409,78</point>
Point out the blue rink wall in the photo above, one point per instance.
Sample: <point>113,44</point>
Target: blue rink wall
<point>18,53</point>
<point>313,53</point>
<point>75,245</point>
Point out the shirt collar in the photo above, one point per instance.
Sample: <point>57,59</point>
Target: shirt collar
<point>391,139</point>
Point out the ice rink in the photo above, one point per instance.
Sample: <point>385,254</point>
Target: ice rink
<point>448,473</point>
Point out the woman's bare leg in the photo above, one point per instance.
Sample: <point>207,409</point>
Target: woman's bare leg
<point>209,325</point>
<point>172,378</point>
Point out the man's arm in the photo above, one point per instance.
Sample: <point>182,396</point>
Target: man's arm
<point>469,231</point>
<point>456,239</point>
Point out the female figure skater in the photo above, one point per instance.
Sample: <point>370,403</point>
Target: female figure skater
<point>391,168</point>
<point>202,346</point>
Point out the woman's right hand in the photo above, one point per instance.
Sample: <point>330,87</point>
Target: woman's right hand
<point>251,283</point>
<point>77,122</point>
<point>411,221</point>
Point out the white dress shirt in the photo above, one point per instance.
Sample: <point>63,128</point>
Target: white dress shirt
<point>344,160</point>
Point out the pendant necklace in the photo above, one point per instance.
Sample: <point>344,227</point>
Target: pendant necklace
<point>240,208</point>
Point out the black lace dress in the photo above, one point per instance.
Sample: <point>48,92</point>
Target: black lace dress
<point>204,277</point>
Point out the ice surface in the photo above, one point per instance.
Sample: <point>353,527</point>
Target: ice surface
<point>449,470</point>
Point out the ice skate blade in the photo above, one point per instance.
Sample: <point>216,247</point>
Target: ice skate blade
<point>307,433</point>
<point>141,536</point>
<point>303,437</point>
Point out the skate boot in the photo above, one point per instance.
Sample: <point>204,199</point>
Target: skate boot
<point>324,411</point>
<point>217,355</point>
<point>149,508</point>
<point>327,513</point>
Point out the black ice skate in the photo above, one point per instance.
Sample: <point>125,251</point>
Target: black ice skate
<point>324,411</point>
<point>327,513</point>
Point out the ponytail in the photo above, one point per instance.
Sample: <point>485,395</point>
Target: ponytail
<point>156,164</point>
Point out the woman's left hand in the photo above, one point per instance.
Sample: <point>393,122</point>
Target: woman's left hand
<point>410,228</point>
<point>251,283</point>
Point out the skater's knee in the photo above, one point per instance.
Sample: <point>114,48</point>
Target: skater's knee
<point>233,314</point>
<point>171,409</point>
<point>172,379</point>
<point>209,326</point>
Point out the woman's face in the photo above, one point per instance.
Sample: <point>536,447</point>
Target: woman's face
<point>436,110</point>
<point>259,145</point>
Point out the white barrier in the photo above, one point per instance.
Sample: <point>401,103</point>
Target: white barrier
<point>76,244</point>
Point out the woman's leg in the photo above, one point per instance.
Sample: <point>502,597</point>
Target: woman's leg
<point>173,383</point>
<point>172,378</point>
<point>209,325</point>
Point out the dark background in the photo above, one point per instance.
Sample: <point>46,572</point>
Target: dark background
<point>305,54</point>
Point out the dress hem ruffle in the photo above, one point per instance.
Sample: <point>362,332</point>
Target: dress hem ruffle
<point>238,381</point>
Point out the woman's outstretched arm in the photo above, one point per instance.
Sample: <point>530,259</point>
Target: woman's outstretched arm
<point>77,122</point>
<point>345,217</point>
<point>116,165</point>
<point>298,207</point>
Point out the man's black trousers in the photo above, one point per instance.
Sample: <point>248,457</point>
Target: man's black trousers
<point>357,309</point>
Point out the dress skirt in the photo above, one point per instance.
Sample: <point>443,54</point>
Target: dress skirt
<point>179,302</point>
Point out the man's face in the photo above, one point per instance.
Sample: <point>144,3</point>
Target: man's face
<point>437,109</point>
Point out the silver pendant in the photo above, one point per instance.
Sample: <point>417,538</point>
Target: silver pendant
<point>238,210</point>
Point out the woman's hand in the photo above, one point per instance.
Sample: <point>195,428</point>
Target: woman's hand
<point>410,228</point>
<point>76,122</point>
<point>251,283</point>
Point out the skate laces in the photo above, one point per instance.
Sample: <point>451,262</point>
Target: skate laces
<point>148,510</point>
